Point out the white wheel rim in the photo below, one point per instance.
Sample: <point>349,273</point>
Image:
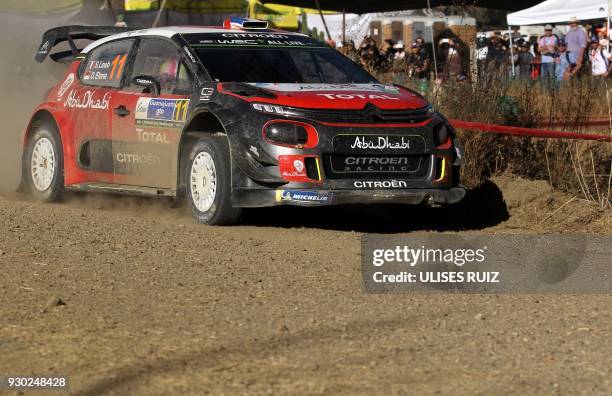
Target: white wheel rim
<point>203,181</point>
<point>43,164</point>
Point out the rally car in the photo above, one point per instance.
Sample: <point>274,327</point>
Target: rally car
<point>233,117</point>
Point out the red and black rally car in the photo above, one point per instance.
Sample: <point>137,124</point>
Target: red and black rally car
<point>232,117</point>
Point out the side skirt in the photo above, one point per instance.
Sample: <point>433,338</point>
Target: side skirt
<point>122,189</point>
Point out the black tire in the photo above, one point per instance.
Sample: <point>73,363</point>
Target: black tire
<point>220,211</point>
<point>55,189</point>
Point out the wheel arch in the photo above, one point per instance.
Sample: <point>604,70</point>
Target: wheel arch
<point>41,115</point>
<point>201,123</point>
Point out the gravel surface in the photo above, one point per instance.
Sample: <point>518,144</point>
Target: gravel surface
<point>126,296</point>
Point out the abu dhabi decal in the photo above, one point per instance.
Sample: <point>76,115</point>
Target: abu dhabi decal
<point>161,113</point>
<point>378,143</point>
<point>87,100</point>
<point>353,88</point>
<point>381,143</point>
<point>303,196</point>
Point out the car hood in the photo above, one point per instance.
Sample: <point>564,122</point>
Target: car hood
<point>343,96</point>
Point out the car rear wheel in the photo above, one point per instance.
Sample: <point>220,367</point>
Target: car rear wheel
<point>208,182</point>
<point>44,163</point>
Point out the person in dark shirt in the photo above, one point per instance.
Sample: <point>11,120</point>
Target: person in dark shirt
<point>496,55</point>
<point>418,62</point>
<point>524,60</point>
<point>450,61</point>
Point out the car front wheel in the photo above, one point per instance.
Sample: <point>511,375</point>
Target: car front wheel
<point>208,182</point>
<point>44,163</point>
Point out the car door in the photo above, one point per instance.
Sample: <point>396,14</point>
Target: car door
<point>88,103</point>
<point>146,129</point>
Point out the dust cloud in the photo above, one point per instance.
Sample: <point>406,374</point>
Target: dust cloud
<point>24,82</point>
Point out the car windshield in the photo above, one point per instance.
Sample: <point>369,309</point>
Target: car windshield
<point>275,65</point>
<point>260,58</point>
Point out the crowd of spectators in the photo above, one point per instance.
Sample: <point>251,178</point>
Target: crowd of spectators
<point>555,58</point>
<point>414,61</point>
<point>551,58</point>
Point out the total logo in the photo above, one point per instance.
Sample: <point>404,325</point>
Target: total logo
<point>153,137</point>
<point>358,96</point>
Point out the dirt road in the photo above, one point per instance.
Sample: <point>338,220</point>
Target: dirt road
<point>157,305</point>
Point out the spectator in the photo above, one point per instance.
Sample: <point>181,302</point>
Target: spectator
<point>399,58</point>
<point>400,53</point>
<point>421,42</point>
<point>547,46</point>
<point>524,60</point>
<point>418,63</point>
<point>516,34</point>
<point>601,31</point>
<point>350,51</point>
<point>577,41</point>
<point>599,57</point>
<point>566,63</point>
<point>496,54</point>
<point>452,68</point>
<point>121,21</point>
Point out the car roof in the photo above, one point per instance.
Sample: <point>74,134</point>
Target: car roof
<point>171,31</point>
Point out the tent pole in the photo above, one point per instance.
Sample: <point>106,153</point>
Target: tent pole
<point>343,27</point>
<point>433,44</point>
<point>111,8</point>
<point>512,52</point>
<point>159,14</point>
<point>323,20</point>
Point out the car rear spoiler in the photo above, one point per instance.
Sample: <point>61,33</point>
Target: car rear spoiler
<point>56,36</point>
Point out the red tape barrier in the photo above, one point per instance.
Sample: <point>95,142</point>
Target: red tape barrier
<point>561,124</point>
<point>528,132</point>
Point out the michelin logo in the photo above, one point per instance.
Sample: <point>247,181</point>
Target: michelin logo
<point>302,196</point>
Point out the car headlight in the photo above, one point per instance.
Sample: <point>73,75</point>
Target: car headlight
<point>291,134</point>
<point>441,134</point>
<point>274,109</point>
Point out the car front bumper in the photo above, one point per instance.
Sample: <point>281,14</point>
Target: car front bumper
<point>247,198</point>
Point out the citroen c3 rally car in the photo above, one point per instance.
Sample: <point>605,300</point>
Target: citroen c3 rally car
<point>232,117</point>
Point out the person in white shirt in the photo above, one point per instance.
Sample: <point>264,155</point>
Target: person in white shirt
<point>600,58</point>
<point>547,46</point>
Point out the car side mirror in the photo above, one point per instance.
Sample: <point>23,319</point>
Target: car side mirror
<point>151,84</point>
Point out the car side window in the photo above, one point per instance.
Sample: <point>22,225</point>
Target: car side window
<point>162,60</point>
<point>105,65</point>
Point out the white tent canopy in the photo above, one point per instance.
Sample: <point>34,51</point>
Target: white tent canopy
<point>556,11</point>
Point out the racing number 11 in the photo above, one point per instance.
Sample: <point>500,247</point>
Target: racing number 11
<point>118,61</point>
